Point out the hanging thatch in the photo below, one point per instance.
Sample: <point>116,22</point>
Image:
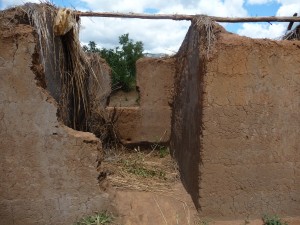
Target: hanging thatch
<point>76,80</point>
<point>205,25</point>
<point>65,65</point>
<point>293,34</point>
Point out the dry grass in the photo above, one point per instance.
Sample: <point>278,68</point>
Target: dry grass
<point>139,170</point>
<point>67,67</point>
<point>206,26</point>
<point>64,62</point>
<point>103,124</point>
<point>293,35</point>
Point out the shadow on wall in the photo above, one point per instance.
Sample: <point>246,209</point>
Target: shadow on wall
<point>186,115</point>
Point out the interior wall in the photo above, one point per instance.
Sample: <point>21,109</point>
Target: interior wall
<point>186,115</point>
<point>150,122</point>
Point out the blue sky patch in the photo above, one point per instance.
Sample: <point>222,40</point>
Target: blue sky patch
<point>74,4</point>
<point>151,10</point>
<point>268,9</point>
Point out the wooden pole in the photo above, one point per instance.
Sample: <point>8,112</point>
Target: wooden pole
<point>189,17</point>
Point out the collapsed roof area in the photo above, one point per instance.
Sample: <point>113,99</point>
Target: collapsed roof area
<point>61,66</point>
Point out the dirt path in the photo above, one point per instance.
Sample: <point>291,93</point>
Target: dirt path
<point>146,190</point>
<point>149,208</point>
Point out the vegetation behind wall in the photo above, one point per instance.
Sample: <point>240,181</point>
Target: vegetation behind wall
<point>121,60</point>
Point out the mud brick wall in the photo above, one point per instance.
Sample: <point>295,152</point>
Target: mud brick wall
<point>151,120</point>
<point>99,82</point>
<point>48,171</point>
<point>236,125</point>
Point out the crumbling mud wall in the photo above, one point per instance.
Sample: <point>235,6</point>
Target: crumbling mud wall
<point>48,171</point>
<point>235,124</point>
<point>99,82</point>
<point>150,122</point>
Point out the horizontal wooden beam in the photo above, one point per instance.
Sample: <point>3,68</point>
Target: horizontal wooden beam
<point>188,17</point>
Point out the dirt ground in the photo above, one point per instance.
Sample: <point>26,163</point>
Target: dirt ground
<point>147,189</point>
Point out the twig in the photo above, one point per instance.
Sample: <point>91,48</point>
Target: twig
<point>156,144</point>
<point>160,211</point>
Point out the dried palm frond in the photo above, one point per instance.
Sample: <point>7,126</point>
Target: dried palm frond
<point>293,35</point>
<point>103,124</point>
<point>65,64</point>
<point>206,25</point>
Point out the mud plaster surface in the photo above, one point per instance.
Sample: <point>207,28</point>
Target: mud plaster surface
<point>150,119</point>
<point>237,143</point>
<point>251,121</point>
<point>48,171</point>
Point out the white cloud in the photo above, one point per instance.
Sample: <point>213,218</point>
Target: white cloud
<point>210,7</point>
<point>286,2</point>
<point>166,35</point>
<point>288,9</point>
<point>258,30</point>
<point>124,5</point>
<point>259,2</point>
<point>157,35</point>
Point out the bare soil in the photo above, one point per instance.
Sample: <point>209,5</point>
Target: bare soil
<point>147,189</point>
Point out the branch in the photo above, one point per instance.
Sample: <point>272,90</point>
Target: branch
<point>189,17</point>
<point>135,15</point>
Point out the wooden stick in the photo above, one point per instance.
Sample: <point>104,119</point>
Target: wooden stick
<point>189,17</point>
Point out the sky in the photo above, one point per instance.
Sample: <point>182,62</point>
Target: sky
<point>166,36</point>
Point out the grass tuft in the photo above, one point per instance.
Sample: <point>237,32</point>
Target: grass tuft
<point>273,220</point>
<point>140,170</point>
<point>102,218</point>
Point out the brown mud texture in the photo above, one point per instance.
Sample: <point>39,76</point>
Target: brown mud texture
<point>231,110</point>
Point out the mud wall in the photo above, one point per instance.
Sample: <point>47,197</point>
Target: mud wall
<point>236,132</point>
<point>187,115</point>
<point>48,171</point>
<point>99,82</point>
<point>151,120</point>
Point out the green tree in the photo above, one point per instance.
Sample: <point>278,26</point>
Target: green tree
<point>92,47</point>
<point>122,61</point>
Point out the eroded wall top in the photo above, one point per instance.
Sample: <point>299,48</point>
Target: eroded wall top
<point>48,171</point>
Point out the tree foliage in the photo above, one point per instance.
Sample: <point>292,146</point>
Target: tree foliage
<point>122,61</point>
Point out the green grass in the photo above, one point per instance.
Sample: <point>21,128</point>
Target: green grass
<point>102,218</point>
<point>139,169</point>
<point>163,151</point>
<point>203,222</point>
<point>273,220</point>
